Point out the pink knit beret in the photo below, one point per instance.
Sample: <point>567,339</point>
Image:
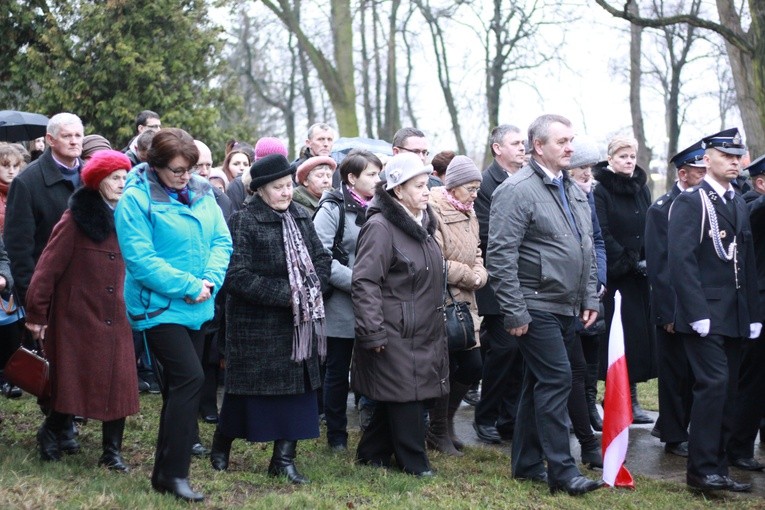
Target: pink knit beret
<point>101,164</point>
<point>309,164</point>
<point>269,145</point>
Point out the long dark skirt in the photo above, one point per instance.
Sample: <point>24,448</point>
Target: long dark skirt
<point>639,330</point>
<point>259,418</point>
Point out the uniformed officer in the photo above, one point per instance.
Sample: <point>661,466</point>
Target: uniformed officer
<point>711,263</point>
<point>675,378</point>
<point>750,401</point>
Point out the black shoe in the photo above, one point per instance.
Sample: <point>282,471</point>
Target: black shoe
<point>640,417</point>
<point>734,486</point>
<point>143,386</point>
<point>113,462</point>
<point>591,456</point>
<point>577,486</point>
<point>210,418</point>
<point>154,388</point>
<point>10,391</point>
<point>47,442</point>
<point>750,464</point>
<point>541,478</point>
<point>283,462</point>
<point>178,487</point>
<point>472,397</point>
<point>220,451</point>
<point>706,483</point>
<point>198,450</point>
<point>679,449</point>
<point>487,433</point>
<point>655,432</point>
<point>111,442</point>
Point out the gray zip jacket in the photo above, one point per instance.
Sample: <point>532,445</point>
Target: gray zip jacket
<point>534,258</point>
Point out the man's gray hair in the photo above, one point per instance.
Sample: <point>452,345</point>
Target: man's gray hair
<point>540,128</point>
<point>408,132</point>
<point>62,119</point>
<point>499,133</point>
<point>322,126</point>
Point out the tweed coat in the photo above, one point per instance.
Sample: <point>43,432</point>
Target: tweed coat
<point>77,290</point>
<point>397,292</point>
<point>457,235</point>
<point>259,325</point>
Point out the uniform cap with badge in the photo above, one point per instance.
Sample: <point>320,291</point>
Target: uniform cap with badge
<point>690,156</point>
<point>728,141</point>
<point>756,167</point>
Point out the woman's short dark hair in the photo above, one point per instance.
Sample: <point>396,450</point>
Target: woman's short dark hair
<point>169,143</point>
<point>355,163</point>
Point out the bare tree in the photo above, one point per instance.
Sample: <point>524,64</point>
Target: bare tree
<point>636,109</point>
<point>745,50</point>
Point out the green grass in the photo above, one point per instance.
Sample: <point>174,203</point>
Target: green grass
<point>479,480</point>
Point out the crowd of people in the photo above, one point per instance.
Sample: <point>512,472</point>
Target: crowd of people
<point>302,280</point>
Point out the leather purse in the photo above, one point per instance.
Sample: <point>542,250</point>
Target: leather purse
<point>30,371</point>
<point>460,331</point>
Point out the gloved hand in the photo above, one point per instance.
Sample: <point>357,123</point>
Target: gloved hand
<point>640,267</point>
<point>754,330</point>
<point>701,327</point>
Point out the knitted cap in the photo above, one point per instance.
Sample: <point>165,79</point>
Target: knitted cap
<point>93,143</point>
<point>309,164</point>
<point>461,170</point>
<point>402,167</point>
<point>586,152</point>
<point>269,145</point>
<point>101,165</point>
<point>217,172</point>
<point>269,168</point>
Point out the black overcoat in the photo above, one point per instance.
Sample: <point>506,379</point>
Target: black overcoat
<point>621,204</point>
<point>259,325</point>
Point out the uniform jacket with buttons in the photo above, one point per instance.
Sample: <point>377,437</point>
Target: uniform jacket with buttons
<point>77,290</point>
<point>657,262</point>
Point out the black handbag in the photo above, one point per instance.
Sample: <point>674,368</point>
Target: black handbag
<point>460,330</point>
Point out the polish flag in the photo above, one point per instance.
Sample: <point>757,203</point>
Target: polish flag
<point>617,406</point>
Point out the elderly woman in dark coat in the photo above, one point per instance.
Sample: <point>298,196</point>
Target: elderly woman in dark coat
<point>274,323</point>
<point>75,304</point>
<point>622,199</point>
<point>400,358</point>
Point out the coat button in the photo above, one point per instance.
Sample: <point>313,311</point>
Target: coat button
<point>112,256</point>
<point>110,290</point>
<point>108,322</point>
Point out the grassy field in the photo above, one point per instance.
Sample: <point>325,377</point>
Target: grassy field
<point>479,480</point>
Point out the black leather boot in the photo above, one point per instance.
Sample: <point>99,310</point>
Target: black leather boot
<point>639,416</point>
<point>48,434</point>
<point>283,462</point>
<point>67,437</point>
<point>437,436</point>
<point>458,392</point>
<point>178,487</point>
<point>591,394</point>
<point>591,454</point>
<point>221,449</point>
<point>112,432</point>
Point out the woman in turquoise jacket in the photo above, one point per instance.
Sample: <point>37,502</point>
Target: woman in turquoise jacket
<point>176,247</point>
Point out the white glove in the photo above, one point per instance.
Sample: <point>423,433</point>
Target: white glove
<point>701,327</point>
<point>754,329</point>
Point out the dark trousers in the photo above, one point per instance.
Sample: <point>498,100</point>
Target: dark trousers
<point>577,403</point>
<point>675,387</point>
<point>398,429</point>
<point>465,366</point>
<point>502,375</point>
<point>715,362</point>
<point>178,350</point>
<point>339,353</point>
<point>541,431</point>
<point>208,402</point>
<point>750,400</point>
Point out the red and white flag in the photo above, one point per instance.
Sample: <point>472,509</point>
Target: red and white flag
<point>617,406</point>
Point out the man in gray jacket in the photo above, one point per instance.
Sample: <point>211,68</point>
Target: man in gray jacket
<point>541,265</point>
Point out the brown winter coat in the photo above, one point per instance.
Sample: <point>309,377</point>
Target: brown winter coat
<point>397,292</point>
<point>77,290</point>
<point>457,235</point>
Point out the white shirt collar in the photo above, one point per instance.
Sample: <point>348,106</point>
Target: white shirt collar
<point>717,187</point>
<point>548,172</point>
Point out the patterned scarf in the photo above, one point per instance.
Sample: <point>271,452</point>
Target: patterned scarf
<point>307,303</point>
<point>181,195</point>
<point>465,208</point>
<point>358,198</point>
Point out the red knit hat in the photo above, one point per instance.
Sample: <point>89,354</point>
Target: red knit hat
<point>309,164</point>
<point>101,165</point>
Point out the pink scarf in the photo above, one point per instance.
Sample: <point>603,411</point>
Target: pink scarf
<point>358,198</point>
<point>465,208</point>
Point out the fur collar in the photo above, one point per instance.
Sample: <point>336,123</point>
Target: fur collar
<point>618,184</point>
<point>394,212</point>
<point>91,214</point>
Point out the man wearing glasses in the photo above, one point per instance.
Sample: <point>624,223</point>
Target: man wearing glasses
<point>147,119</point>
<point>412,140</point>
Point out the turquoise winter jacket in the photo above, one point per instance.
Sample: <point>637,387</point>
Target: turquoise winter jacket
<point>169,248</point>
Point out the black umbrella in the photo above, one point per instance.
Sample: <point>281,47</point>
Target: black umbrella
<point>17,126</point>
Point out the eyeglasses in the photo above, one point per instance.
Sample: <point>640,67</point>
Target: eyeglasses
<point>419,152</point>
<point>472,190</point>
<point>179,171</point>
<point>154,126</point>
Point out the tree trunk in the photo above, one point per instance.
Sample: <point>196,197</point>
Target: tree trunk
<point>638,128</point>
<point>365,78</point>
<point>392,120</point>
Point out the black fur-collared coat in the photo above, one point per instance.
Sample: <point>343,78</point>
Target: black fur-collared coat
<point>259,323</point>
<point>77,290</point>
<point>398,291</point>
